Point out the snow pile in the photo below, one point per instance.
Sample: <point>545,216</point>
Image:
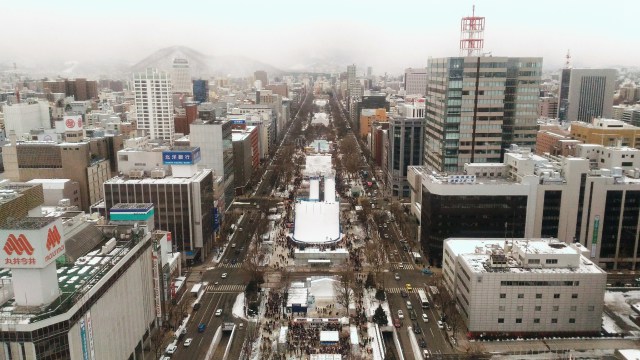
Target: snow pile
<point>609,325</point>
<point>619,304</point>
<point>238,307</point>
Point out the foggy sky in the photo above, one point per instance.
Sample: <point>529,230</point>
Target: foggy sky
<point>387,35</point>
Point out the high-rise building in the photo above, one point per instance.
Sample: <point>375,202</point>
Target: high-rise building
<point>586,94</point>
<point>26,116</point>
<point>353,86</point>
<point>415,81</point>
<point>181,76</point>
<point>548,107</point>
<point>262,76</point>
<point>200,91</point>
<point>406,146</point>
<point>477,107</point>
<point>154,104</point>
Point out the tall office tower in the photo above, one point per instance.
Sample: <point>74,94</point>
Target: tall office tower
<point>369,71</point>
<point>477,107</point>
<point>181,76</point>
<point>201,90</point>
<point>154,104</point>
<point>586,94</point>
<point>352,83</point>
<point>262,76</point>
<point>406,144</point>
<point>415,81</point>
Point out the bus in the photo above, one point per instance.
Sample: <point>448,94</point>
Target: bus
<point>196,290</point>
<point>424,301</point>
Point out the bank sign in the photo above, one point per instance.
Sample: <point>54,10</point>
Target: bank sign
<point>181,157</point>
<point>31,248</point>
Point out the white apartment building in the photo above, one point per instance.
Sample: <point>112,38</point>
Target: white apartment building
<point>154,104</point>
<point>181,76</point>
<point>574,199</point>
<point>524,286</point>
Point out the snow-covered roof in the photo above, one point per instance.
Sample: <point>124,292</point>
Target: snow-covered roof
<point>323,288</point>
<point>325,357</point>
<point>318,165</point>
<point>317,222</point>
<point>297,295</point>
<point>282,338</point>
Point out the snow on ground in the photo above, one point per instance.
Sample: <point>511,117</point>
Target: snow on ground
<point>238,307</point>
<point>591,354</point>
<point>609,325</point>
<point>619,303</point>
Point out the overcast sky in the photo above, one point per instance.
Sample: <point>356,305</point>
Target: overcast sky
<point>388,35</point>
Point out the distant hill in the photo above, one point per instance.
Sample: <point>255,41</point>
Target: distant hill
<point>204,65</point>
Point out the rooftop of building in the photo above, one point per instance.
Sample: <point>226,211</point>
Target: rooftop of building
<point>603,123</point>
<point>199,175</point>
<point>28,223</point>
<point>506,255</point>
<point>132,206</point>
<point>75,280</point>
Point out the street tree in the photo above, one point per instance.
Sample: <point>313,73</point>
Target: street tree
<point>343,289</point>
<point>380,317</point>
<point>253,263</point>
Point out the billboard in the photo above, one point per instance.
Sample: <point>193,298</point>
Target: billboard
<point>72,122</point>
<point>181,157</point>
<point>30,247</point>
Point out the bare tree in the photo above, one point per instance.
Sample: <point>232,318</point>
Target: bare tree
<point>343,288</point>
<point>156,342</point>
<point>252,263</point>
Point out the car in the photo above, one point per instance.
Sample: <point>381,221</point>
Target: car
<point>401,266</point>
<point>425,318</point>
<point>386,236</point>
<point>427,271</point>
<point>416,329</point>
<point>403,294</point>
<point>385,225</point>
<point>240,229</point>
<point>201,327</point>
<point>187,342</point>
<point>409,305</point>
<point>224,275</point>
<point>447,326</point>
<point>400,314</point>
<point>171,349</point>
<point>196,306</point>
<point>234,261</point>
<point>218,312</point>
<point>396,276</point>
<point>397,323</point>
<point>412,314</point>
<point>408,287</point>
<point>426,354</point>
<point>423,344</point>
<point>216,283</point>
<point>440,324</point>
<point>233,246</point>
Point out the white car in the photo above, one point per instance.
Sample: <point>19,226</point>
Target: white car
<point>218,312</point>
<point>425,318</point>
<point>400,314</point>
<point>397,276</point>
<point>171,349</point>
<point>224,275</point>
<point>440,324</point>
<point>188,342</point>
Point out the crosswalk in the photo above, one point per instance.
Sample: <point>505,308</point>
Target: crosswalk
<point>405,266</point>
<point>396,290</point>
<point>225,288</point>
<point>229,266</point>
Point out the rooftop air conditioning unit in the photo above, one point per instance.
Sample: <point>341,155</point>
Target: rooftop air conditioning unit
<point>136,173</point>
<point>158,173</point>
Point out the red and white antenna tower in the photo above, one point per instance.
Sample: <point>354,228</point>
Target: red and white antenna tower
<point>471,34</point>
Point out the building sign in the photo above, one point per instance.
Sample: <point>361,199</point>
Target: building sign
<point>156,285</point>
<point>216,219</point>
<point>31,248</point>
<point>594,238</point>
<point>83,340</point>
<point>92,349</point>
<point>238,122</point>
<point>461,179</point>
<point>181,157</point>
<point>72,122</point>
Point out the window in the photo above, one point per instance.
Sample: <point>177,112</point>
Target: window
<point>538,296</point>
<point>533,261</point>
<point>591,308</point>
<point>501,308</point>
<point>554,321</point>
<point>520,308</point>
<point>551,261</point>
<point>556,308</point>
<point>500,320</point>
<point>536,321</point>
<point>574,296</point>
<point>519,321</point>
<point>503,296</point>
<point>574,308</point>
<point>520,296</point>
<point>572,321</point>
<point>538,308</point>
<point>556,296</point>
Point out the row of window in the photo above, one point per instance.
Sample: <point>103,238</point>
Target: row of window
<point>553,308</point>
<point>540,283</point>
<point>537,321</point>
<point>538,296</point>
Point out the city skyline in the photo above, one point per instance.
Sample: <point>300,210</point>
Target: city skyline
<point>290,37</point>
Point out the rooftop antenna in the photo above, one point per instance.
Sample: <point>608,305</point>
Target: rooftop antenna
<point>567,63</point>
<point>472,34</point>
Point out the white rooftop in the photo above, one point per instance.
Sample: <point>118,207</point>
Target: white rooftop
<point>318,165</point>
<point>317,222</point>
<point>50,183</point>
<point>329,336</point>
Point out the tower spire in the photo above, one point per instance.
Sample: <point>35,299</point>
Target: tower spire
<point>472,34</point>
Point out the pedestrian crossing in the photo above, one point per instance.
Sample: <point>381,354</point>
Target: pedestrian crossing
<point>405,266</point>
<point>229,266</point>
<point>225,288</point>
<point>396,290</point>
